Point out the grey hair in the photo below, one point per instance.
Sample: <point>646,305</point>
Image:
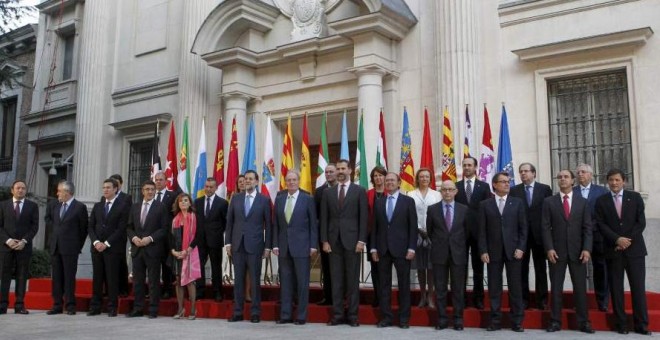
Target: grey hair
<point>68,186</point>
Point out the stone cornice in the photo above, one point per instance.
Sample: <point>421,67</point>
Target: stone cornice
<point>36,117</point>
<point>54,140</point>
<point>389,26</point>
<point>520,12</point>
<point>142,121</point>
<point>53,6</point>
<point>145,91</point>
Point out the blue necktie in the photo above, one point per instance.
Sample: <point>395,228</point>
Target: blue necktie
<point>585,193</point>
<point>107,208</point>
<point>529,195</point>
<point>248,204</point>
<point>390,207</point>
<point>62,210</point>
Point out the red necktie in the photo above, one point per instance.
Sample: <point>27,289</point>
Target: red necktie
<point>567,208</point>
<point>17,208</point>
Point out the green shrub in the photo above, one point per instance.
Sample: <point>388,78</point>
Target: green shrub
<point>40,264</point>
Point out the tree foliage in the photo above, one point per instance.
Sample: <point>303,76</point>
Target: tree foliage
<point>11,11</point>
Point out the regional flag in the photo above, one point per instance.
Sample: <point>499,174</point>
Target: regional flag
<point>232,164</point>
<point>287,155</point>
<point>323,153</point>
<point>219,167</point>
<point>427,150</point>
<point>305,166</point>
<point>504,154</point>
<point>487,159</point>
<point>448,159</point>
<point>467,142</point>
<point>381,149</point>
<point>250,153</point>
<point>155,154</point>
<point>184,174</point>
<point>361,178</point>
<point>200,170</point>
<point>343,154</point>
<point>172,170</point>
<point>406,166</point>
<point>268,184</point>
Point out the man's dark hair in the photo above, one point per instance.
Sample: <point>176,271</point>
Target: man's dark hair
<point>117,177</point>
<point>476,164</point>
<point>148,182</point>
<point>256,176</point>
<point>614,172</point>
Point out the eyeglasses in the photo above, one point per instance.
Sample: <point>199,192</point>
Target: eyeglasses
<point>447,189</point>
<point>503,182</point>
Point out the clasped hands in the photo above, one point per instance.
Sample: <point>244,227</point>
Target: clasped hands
<point>15,244</point>
<point>359,247</point>
<point>141,242</point>
<point>622,243</point>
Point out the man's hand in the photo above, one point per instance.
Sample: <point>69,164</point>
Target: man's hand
<point>585,256</point>
<point>146,241</point>
<point>21,244</point>
<point>276,251</point>
<point>359,248</point>
<point>100,247</point>
<point>13,244</point>
<point>623,242</point>
<point>327,248</point>
<point>228,247</point>
<point>374,256</point>
<point>266,253</point>
<point>136,241</point>
<point>312,251</point>
<point>410,255</point>
<point>518,254</point>
<point>552,256</point>
<point>485,258</point>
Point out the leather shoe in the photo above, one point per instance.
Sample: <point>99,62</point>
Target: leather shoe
<point>517,328</point>
<point>299,322</point>
<point>134,313</point>
<point>324,302</point>
<point>479,305</point>
<point>54,311</point>
<point>441,327</point>
<point>21,311</point>
<point>404,325</point>
<point>283,321</point>
<point>643,331</point>
<point>602,308</point>
<point>384,323</point>
<point>112,313</point>
<point>553,328</point>
<point>165,295</point>
<point>255,319</point>
<point>3,311</point>
<point>587,329</point>
<point>153,315</point>
<point>71,312</point>
<point>492,328</point>
<point>458,327</point>
<point>235,318</point>
<point>334,322</point>
<point>354,323</point>
<point>218,297</point>
<point>622,330</point>
<point>542,306</point>
<point>93,312</point>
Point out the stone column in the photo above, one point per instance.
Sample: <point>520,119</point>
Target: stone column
<point>236,106</point>
<point>370,102</point>
<point>459,76</point>
<point>93,99</point>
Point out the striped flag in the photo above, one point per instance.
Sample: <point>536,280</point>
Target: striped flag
<point>406,166</point>
<point>360,177</point>
<point>504,154</point>
<point>305,166</point>
<point>200,171</point>
<point>427,149</point>
<point>184,174</point>
<point>232,163</point>
<point>381,150</point>
<point>487,159</point>
<point>468,134</point>
<point>219,167</point>
<point>344,140</point>
<point>287,155</point>
<point>323,153</point>
<point>268,183</point>
<point>448,159</point>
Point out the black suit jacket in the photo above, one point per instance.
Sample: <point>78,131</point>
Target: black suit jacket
<point>480,192</point>
<point>399,234</point>
<point>533,212</point>
<point>302,232</point>
<point>69,232</point>
<point>568,237</point>
<point>595,191</point>
<point>212,226</point>
<point>110,228</point>
<point>25,227</point>
<point>631,224</point>
<point>253,230</point>
<point>155,225</point>
<point>350,221</point>
<point>447,244</point>
<point>502,233</point>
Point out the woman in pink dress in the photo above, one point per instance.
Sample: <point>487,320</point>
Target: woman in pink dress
<point>183,239</point>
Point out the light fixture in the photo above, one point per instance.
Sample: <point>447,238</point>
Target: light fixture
<point>56,156</point>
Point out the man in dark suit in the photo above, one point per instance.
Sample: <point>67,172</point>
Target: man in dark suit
<point>19,223</point>
<point>167,198</point>
<point>295,238</point>
<point>126,201</point>
<point>147,231</point>
<point>591,192</point>
<point>621,220</point>
<point>393,242</point>
<point>502,238</point>
<point>471,192</point>
<point>248,240</point>
<point>331,179</point>
<point>447,225</point>
<point>107,234</point>
<point>533,194</point>
<point>566,223</point>
<point>211,213</point>
<point>67,240</point>
<point>344,214</point>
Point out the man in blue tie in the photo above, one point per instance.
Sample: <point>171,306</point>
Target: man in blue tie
<point>394,240</point>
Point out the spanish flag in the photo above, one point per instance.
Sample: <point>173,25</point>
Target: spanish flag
<point>287,155</point>
<point>305,166</point>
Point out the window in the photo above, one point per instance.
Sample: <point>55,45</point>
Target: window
<point>67,63</point>
<point>590,123</point>
<point>139,167</point>
<point>7,133</point>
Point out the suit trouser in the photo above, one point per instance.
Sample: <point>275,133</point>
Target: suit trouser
<point>104,272</point>
<point>327,282</point>
<point>495,290</point>
<point>635,268</point>
<point>441,274</point>
<point>251,263</point>
<point>375,274</point>
<point>122,271</point>
<point>578,272</point>
<point>402,267</point>
<point>215,255</point>
<point>9,261</point>
<point>146,266</point>
<point>537,253</point>
<point>166,271</point>
<point>65,268</point>
<point>472,251</point>
<point>345,270</point>
<point>600,274</point>
<point>295,273</point>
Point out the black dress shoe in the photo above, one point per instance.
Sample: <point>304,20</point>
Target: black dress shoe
<point>93,312</point>
<point>71,312</point>
<point>3,311</point>
<point>153,315</point>
<point>235,318</point>
<point>334,322</point>
<point>517,328</point>
<point>553,328</point>
<point>324,302</point>
<point>354,323</point>
<point>135,313</point>
<point>587,329</point>
<point>112,313</point>
<point>299,322</point>
<point>458,327</point>
<point>643,331</point>
<point>165,295</point>
<point>283,321</point>
<point>255,319</point>
<point>404,325</point>
<point>479,305</point>
<point>21,311</point>
<point>384,323</point>
<point>602,308</point>
<point>440,327</point>
<point>492,328</point>
<point>218,297</point>
<point>54,311</point>
<point>542,306</point>
<point>622,330</point>
<point>375,304</point>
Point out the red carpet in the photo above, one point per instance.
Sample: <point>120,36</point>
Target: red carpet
<point>38,297</point>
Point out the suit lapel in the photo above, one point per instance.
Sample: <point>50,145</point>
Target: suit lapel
<point>296,207</point>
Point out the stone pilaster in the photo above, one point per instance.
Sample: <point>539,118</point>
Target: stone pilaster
<point>370,101</point>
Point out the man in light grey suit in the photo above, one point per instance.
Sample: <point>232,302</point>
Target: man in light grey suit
<point>344,214</point>
<point>295,238</point>
<point>248,239</point>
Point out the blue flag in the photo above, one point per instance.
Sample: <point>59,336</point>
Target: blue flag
<point>250,154</point>
<point>344,140</point>
<point>200,170</point>
<point>504,155</point>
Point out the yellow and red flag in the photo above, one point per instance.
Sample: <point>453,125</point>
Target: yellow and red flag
<point>406,166</point>
<point>448,161</point>
<point>305,166</point>
<point>287,155</point>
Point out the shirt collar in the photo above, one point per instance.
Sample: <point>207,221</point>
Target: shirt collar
<point>68,203</point>
<point>444,203</point>
<point>395,195</point>
<point>587,187</point>
<point>295,194</point>
<point>570,195</point>
<point>620,193</point>
<point>21,200</point>
<point>472,179</point>
<point>148,202</point>
<point>111,201</point>
<point>530,184</point>
<point>497,198</point>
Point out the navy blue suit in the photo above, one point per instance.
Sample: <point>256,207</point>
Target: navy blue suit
<point>212,225</point>
<point>601,285</point>
<point>295,239</point>
<point>245,234</point>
